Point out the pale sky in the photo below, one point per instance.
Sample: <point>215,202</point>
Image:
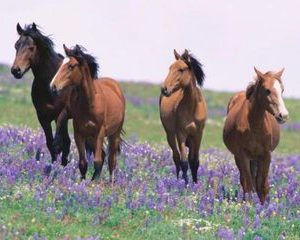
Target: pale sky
<point>134,39</point>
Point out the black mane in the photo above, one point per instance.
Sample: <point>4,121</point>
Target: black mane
<point>43,42</point>
<point>197,69</point>
<point>78,52</point>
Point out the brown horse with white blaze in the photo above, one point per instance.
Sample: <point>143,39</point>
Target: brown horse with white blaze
<point>252,132</point>
<point>97,107</point>
<point>183,112</point>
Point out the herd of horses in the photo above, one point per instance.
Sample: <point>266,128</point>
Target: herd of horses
<point>69,87</point>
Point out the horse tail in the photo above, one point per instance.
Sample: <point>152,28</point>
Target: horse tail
<point>89,149</point>
<point>122,141</point>
<point>187,141</point>
<point>253,170</point>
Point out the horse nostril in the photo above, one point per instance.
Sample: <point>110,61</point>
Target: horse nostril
<point>15,70</point>
<point>54,89</point>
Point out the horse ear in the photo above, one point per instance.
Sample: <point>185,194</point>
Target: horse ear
<point>19,29</point>
<point>176,54</point>
<point>67,50</point>
<point>259,74</point>
<point>279,74</point>
<point>78,49</point>
<point>186,56</point>
<point>33,27</point>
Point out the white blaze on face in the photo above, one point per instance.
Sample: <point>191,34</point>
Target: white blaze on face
<point>65,61</point>
<point>281,106</point>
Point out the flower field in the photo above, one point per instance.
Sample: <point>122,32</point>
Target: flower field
<point>39,200</point>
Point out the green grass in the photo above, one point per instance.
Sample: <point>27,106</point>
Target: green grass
<point>28,218</point>
<point>142,121</point>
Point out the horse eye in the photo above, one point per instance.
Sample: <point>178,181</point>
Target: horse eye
<point>70,67</point>
<point>31,49</point>
<point>181,70</point>
<point>268,92</point>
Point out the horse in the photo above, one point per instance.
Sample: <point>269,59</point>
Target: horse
<point>251,131</point>
<point>97,107</point>
<point>183,112</point>
<point>35,51</point>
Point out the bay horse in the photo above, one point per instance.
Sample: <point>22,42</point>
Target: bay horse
<point>35,51</point>
<point>251,131</point>
<point>183,112</point>
<point>97,107</point>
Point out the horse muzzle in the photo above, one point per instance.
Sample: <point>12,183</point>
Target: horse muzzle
<point>16,72</point>
<point>54,90</point>
<point>280,118</point>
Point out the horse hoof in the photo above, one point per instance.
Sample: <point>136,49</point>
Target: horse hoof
<point>64,162</point>
<point>95,176</point>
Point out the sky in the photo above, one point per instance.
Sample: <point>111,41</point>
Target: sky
<point>134,39</point>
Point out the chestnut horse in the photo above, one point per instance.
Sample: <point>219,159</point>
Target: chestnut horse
<point>97,107</point>
<point>252,132</point>
<point>183,112</point>
<point>36,52</point>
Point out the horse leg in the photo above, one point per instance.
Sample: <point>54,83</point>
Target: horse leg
<point>66,144</point>
<point>253,167</point>
<point>171,138</point>
<point>46,125</point>
<point>243,164</point>
<point>113,148</point>
<point>61,120</point>
<point>98,159</point>
<point>262,184</point>
<point>194,146</point>
<point>183,159</point>
<point>80,143</point>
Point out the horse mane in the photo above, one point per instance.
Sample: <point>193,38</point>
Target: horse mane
<point>42,41</point>
<point>195,65</point>
<point>251,88</point>
<point>80,54</point>
<point>198,71</point>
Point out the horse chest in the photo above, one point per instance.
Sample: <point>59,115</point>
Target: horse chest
<point>257,144</point>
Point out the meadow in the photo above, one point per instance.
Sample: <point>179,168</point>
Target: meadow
<point>39,200</point>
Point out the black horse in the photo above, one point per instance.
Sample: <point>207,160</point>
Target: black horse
<point>35,51</point>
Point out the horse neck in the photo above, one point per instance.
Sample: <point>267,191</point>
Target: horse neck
<point>46,67</point>
<point>256,114</point>
<point>87,89</point>
<point>190,94</point>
